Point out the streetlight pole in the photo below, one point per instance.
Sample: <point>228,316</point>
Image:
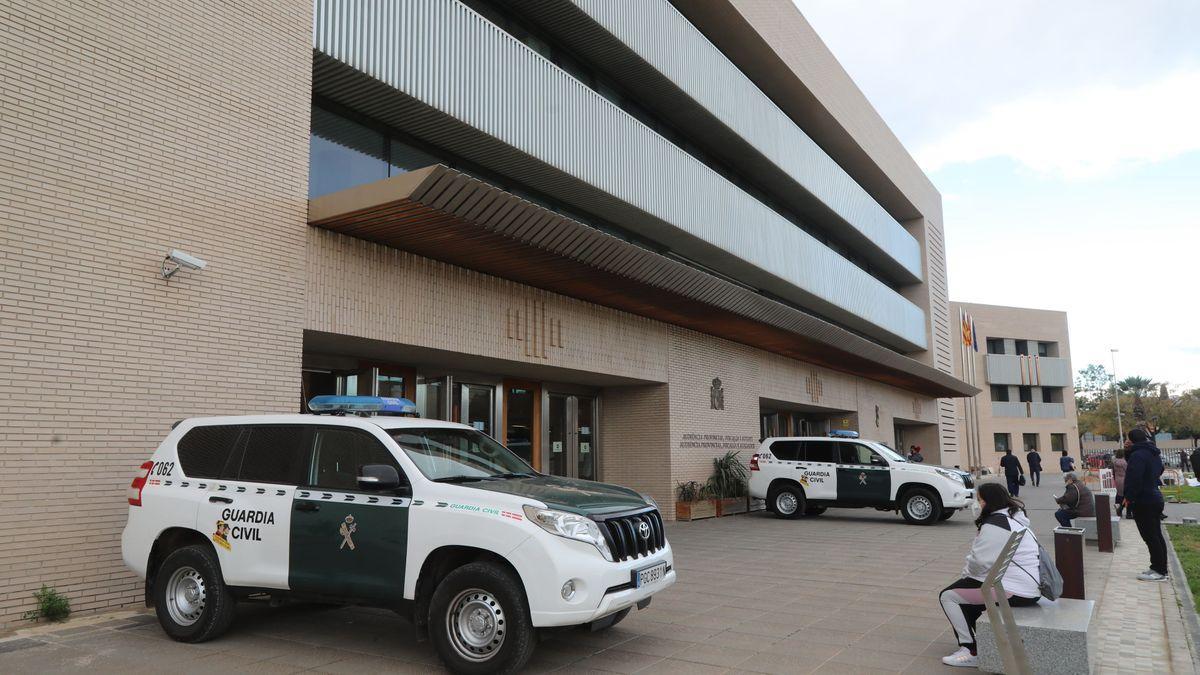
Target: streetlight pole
<point>1117,396</point>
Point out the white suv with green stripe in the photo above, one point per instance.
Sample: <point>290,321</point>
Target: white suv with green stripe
<point>800,476</point>
<point>430,518</point>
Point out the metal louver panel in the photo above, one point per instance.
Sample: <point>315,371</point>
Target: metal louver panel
<point>444,74</point>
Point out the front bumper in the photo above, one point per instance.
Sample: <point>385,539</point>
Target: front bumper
<point>959,499</point>
<point>601,587</point>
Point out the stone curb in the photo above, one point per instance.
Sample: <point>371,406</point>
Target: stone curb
<point>1182,590</point>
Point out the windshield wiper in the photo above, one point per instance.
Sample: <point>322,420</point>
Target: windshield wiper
<point>506,476</point>
<point>459,479</point>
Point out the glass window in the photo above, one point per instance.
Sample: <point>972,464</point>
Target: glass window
<point>520,404</point>
<point>820,451</point>
<point>788,451</point>
<point>854,453</point>
<point>1002,442</point>
<point>431,398</point>
<point>457,454</point>
<point>1058,442</point>
<point>340,454</point>
<point>204,451</point>
<point>405,158</point>
<point>995,345</point>
<point>1023,347</point>
<point>1047,395</point>
<point>343,154</point>
<point>999,392</point>
<point>276,455</point>
<point>1030,441</point>
<point>1043,349</point>
<point>390,385</point>
<point>1025,394</point>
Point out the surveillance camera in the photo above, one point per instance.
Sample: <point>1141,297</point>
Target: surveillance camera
<point>177,260</point>
<point>186,260</point>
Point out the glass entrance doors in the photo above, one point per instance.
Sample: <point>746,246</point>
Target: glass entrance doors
<point>476,403</point>
<point>571,435</point>
<point>522,406</point>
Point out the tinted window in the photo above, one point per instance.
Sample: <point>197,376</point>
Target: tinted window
<point>788,451</point>
<point>1025,394</point>
<point>340,455</point>
<point>853,453</point>
<point>204,451</point>
<point>276,455</point>
<point>999,392</point>
<point>820,451</point>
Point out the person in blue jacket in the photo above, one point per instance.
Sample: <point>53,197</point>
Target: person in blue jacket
<point>1066,463</point>
<point>1142,477</point>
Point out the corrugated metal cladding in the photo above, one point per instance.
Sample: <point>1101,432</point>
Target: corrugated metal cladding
<point>446,56</point>
<point>666,40</point>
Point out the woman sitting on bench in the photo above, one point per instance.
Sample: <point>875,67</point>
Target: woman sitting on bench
<point>1000,515</point>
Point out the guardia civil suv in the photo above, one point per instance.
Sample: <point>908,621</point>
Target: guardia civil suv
<point>805,475</point>
<point>430,518</point>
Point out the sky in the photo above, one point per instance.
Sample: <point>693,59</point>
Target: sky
<point>1064,138</point>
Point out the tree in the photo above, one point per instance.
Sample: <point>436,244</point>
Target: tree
<point>1092,384</point>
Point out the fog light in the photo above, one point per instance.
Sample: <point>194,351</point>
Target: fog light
<point>568,590</point>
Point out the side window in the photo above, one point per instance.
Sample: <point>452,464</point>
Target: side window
<point>853,453</point>
<point>276,455</point>
<point>205,451</point>
<point>820,451</point>
<point>787,451</point>
<point>340,454</point>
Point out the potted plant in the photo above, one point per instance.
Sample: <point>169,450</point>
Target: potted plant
<point>729,484</point>
<point>692,501</point>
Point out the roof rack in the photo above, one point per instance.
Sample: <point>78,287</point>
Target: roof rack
<point>362,405</point>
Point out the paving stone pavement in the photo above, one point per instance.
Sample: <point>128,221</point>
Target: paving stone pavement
<point>852,591</point>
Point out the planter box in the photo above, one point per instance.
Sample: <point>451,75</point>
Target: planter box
<point>732,505</point>
<point>704,508</point>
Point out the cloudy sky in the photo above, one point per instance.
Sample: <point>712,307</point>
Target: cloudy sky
<point>1065,140</point>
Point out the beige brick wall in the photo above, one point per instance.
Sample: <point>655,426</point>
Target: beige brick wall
<point>127,129</point>
<point>635,441</point>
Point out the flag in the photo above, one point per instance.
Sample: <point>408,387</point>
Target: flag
<point>974,335</point>
<point>966,329</point>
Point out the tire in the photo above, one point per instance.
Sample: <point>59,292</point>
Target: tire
<point>921,507</point>
<point>787,501</point>
<point>191,599</point>
<point>947,514</point>
<point>814,510</point>
<point>479,620</point>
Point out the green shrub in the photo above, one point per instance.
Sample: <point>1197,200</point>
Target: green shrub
<point>730,477</point>
<point>51,606</point>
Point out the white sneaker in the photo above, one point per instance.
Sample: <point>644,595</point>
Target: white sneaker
<point>963,658</point>
<point>1151,575</point>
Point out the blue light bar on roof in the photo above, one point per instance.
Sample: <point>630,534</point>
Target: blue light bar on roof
<point>378,405</point>
<point>843,433</point>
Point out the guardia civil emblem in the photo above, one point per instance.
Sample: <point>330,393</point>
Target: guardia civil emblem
<point>347,530</point>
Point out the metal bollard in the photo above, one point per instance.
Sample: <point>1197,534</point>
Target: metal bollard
<point>1068,557</point>
<point>1104,538</point>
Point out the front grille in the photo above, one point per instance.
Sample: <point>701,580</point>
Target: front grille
<point>623,534</point>
<point>967,481</point>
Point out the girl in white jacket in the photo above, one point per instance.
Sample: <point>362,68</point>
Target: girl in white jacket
<point>1000,515</point>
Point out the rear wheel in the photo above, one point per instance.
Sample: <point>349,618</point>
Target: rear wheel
<point>787,502</point>
<point>921,507</point>
<point>190,597</point>
<point>479,620</point>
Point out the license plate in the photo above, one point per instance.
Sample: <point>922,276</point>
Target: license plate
<point>650,575</point>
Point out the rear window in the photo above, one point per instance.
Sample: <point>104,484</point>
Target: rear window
<point>276,454</point>
<point>205,451</point>
<point>788,451</point>
<point>820,451</point>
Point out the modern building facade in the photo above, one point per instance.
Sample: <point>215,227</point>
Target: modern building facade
<point>623,242</point>
<point>1020,359</point>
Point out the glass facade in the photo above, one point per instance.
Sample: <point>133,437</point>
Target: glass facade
<point>344,153</point>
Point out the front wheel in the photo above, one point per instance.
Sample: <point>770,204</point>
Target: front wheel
<point>921,507</point>
<point>788,502</point>
<point>479,620</point>
<point>190,597</point>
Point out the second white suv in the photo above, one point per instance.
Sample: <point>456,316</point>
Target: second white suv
<point>805,475</point>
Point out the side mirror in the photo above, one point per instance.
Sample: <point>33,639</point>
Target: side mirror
<point>378,477</point>
<point>879,461</point>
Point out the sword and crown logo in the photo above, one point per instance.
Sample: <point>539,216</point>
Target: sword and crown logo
<point>347,530</point>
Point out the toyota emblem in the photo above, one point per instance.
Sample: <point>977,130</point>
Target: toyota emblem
<point>644,530</point>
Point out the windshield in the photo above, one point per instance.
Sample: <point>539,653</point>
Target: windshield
<point>459,455</point>
<point>888,452</point>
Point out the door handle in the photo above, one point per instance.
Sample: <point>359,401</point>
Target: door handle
<point>224,500</point>
<point>308,506</point>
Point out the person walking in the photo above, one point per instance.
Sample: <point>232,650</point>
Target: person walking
<point>1195,458</point>
<point>1066,462</point>
<point>1118,469</point>
<point>1034,460</point>
<point>1076,501</point>
<point>1012,471</point>
<point>1000,515</point>
<point>1143,474</point>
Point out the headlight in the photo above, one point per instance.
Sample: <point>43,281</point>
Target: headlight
<point>650,501</point>
<point>951,475</point>
<point>569,525</point>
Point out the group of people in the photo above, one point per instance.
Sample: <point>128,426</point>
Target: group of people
<point>1014,473</point>
<point>1000,513</point>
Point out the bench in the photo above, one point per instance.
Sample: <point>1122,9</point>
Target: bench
<point>1055,636</point>
<point>1089,528</point>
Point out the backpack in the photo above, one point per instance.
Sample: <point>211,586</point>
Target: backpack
<point>1050,582</point>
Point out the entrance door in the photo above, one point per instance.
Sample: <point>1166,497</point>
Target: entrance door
<point>522,421</point>
<point>477,407</point>
<point>571,435</point>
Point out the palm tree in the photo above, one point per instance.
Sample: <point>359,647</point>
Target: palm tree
<point>1136,386</point>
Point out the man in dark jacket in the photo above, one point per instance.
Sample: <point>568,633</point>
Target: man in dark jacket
<point>1195,458</point>
<point>1142,478</point>
<point>1066,462</point>
<point>1076,501</point>
<point>1012,471</point>
<point>1034,460</point>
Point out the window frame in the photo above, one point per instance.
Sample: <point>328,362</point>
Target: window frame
<point>311,480</point>
<point>1007,444</point>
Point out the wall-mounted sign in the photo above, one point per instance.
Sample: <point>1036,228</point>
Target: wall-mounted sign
<point>585,448</point>
<point>585,430</point>
<point>478,424</point>
<point>556,446</point>
<point>716,395</point>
